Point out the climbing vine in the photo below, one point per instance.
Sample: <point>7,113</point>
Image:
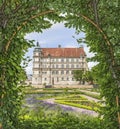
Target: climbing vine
<point>98,19</point>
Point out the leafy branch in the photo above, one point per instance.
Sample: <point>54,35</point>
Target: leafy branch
<point>23,24</point>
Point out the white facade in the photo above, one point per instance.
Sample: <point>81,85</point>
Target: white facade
<point>53,66</point>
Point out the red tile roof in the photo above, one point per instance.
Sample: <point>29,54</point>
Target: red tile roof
<point>63,52</point>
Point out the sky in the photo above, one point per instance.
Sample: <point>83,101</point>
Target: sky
<point>58,34</point>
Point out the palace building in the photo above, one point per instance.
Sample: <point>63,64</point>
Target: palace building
<point>55,66</point>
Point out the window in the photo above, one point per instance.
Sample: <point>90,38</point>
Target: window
<point>45,79</point>
<point>56,66</point>
<point>45,66</point>
<point>62,79</point>
<point>62,60</point>
<point>67,66</point>
<point>53,66</point>
<point>56,60</point>
<point>62,66</point>
<point>36,53</point>
<point>72,66</point>
<point>36,59</point>
<point>72,60</point>
<point>62,72</point>
<point>67,72</point>
<point>67,60</point>
<point>67,78</point>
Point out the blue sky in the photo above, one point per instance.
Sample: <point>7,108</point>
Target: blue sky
<point>54,36</point>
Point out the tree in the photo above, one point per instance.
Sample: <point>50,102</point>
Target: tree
<point>89,77</point>
<point>98,19</point>
<point>78,75</point>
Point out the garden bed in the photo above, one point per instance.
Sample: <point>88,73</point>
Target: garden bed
<point>86,104</point>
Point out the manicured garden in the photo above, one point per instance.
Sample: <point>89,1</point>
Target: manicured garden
<point>67,96</point>
<point>50,116</point>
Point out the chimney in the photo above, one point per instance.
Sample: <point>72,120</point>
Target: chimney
<point>59,46</point>
<point>37,44</point>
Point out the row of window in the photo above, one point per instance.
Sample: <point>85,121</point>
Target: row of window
<point>59,60</point>
<point>53,72</point>
<point>59,66</point>
<point>62,72</point>
<point>61,79</point>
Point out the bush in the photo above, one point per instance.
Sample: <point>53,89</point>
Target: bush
<point>58,120</point>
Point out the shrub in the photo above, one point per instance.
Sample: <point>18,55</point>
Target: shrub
<point>58,120</point>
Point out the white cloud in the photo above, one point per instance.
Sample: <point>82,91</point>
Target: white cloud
<point>89,54</point>
<point>29,68</point>
<point>70,46</point>
<point>57,26</point>
<point>92,64</point>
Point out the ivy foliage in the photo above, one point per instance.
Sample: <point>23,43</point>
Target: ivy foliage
<point>17,19</point>
<point>98,19</point>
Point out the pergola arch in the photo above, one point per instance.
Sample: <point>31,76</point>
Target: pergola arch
<point>9,40</point>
